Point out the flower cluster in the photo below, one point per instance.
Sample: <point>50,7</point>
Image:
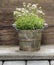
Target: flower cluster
<point>29,17</point>
<point>29,9</point>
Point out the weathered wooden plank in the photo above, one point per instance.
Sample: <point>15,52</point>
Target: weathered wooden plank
<point>48,36</point>
<point>52,62</point>
<point>48,7</point>
<point>14,63</point>
<point>8,36</point>
<point>6,18</point>
<point>13,53</point>
<point>50,20</point>
<point>40,62</point>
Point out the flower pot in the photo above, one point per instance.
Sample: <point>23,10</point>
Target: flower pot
<point>30,40</point>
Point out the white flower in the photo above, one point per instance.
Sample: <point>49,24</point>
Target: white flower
<point>24,4</point>
<point>40,12</point>
<point>30,8</point>
<point>14,25</point>
<point>15,12</point>
<point>19,9</point>
<point>43,13</point>
<point>45,24</point>
<point>23,13</point>
<point>19,15</point>
<point>34,6</point>
<point>27,11</point>
<point>40,7</point>
<point>29,4</point>
<point>22,9</point>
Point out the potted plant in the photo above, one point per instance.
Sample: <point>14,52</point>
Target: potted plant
<point>29,22</point>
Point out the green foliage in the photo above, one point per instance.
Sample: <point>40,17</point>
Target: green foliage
<point>29,18</point>
<point>31,22</point>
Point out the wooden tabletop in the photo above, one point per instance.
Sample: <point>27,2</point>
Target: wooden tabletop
<point>13,53</point>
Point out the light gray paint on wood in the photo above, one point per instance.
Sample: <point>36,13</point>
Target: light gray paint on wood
<point>37,62</point>
<point>8,53</point>
<point>0,62</point>
<point>14,63</point>
<point>52,62</point>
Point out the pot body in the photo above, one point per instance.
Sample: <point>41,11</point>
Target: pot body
<point>30,40</point>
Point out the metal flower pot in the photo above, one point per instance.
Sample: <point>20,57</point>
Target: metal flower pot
<point>30,40</point>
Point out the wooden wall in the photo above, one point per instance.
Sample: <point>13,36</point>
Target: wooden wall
<point>6,19</point>
<point>48,35</point>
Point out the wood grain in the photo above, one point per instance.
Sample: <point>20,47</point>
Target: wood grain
<point>8,36</point>
<point>48,36</point>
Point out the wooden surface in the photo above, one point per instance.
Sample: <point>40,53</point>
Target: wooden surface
<point>48,36</point>
<point>48,8</point>
<point>8,53</point>
<point>8,36</point>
